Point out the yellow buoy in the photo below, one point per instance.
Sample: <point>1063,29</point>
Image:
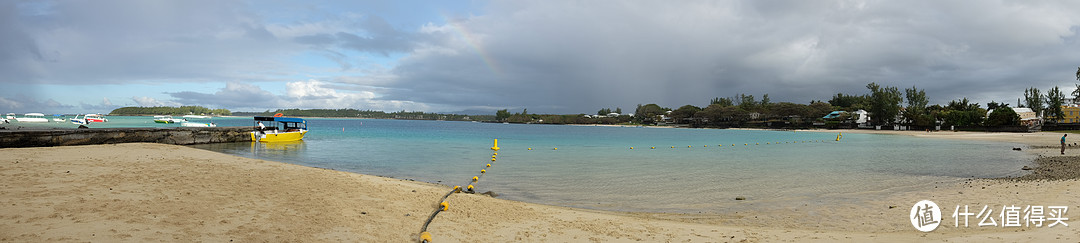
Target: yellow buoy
<point>721,145</point>
<point>492,159</point>
<point>474,178</point>
<point>745,144</point>
<point>652,148</point>
<point>687,146</point>
<point>425,237</point>
<point>672,146</point>
<point>493,154</point>
<point>444,205</point>
<point>631,147</point>
<point>706,145</point>
<point>530,148</point>
<point>556,149</point>
<point>470,188</point>
<point>756,144</point>
<point>488,165</point>
<point>496,145</point>
<point>483,171</point>
<point>457,188</point>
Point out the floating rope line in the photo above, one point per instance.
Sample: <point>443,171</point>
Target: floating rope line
<point>425,236</point>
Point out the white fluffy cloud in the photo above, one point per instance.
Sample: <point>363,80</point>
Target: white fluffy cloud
<point>144,101</point>
<point>309,94</point>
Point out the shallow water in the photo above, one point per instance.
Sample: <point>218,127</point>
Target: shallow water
<point>594,167</point>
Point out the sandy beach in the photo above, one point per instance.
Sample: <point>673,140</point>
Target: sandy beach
<point>153,192</point>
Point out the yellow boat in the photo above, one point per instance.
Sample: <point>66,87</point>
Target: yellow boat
<point>278,129</point>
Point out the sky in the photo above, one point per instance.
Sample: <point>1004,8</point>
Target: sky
<point>550,56</point>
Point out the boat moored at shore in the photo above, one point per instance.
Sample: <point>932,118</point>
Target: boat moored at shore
<point>278,129</point>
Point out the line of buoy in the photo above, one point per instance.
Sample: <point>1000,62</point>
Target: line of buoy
<point>444,205</point>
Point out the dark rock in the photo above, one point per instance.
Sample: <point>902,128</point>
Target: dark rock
<point>1026,168</point>
<point>83,126</point>
<point>740,198</point>
<point>892,207</point>
<point>490,194</point>
<point>1017,149</point>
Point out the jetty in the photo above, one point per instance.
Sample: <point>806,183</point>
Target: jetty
<point>16,138</point>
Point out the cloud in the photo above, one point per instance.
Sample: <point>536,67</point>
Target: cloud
<point>117,42</point>
<point>309,94</point>
<point>572,56</point>
<point>25,104</point>
<point>144,101</point>
<point>106,106</point>
<point>556,56</point>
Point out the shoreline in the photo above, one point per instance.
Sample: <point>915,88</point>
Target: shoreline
<point>182,200</point>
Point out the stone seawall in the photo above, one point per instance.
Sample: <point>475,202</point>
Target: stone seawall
<point>176,135</point>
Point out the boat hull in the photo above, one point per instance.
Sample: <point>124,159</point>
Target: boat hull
<point>277,137</point>
<point>31,119</point>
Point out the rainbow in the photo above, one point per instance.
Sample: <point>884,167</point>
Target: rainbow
<point>474,42</point>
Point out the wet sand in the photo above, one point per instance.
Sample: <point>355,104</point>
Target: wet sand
<point>154,192</point>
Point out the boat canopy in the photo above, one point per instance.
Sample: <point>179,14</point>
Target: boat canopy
<point>289,119</point>
<point>280,119</point>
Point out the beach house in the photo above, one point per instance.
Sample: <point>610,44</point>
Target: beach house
<point>1072,114</point>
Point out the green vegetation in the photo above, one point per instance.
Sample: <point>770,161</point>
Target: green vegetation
<point>165,110</point>
<point>354,113</point>
<point>1003,116</point>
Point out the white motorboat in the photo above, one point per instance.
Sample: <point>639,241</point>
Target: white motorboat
<point>95,118</point>
<point>167,119</point>
<point>197,124</point>
<point>32,117</point>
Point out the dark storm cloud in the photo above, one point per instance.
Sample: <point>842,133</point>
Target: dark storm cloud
<point>580,56</point>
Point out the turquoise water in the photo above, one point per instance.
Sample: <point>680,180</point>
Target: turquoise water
<point>594,167</point>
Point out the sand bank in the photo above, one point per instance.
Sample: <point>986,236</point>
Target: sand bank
<point>154,192</point>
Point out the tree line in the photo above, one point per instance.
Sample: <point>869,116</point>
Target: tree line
<point>886,105</point>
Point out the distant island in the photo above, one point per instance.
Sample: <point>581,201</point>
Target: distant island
<point>166,110</point>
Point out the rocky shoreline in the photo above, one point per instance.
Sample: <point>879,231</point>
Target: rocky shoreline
<point>1052,168</point>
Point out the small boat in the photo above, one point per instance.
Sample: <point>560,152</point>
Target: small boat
<point>95,118</point>
<point>278,129</point>
<point>167,119</point>
<point>10,116</point>
<point>79,121</point>
<point>59,118</point>
<point>32,117</point>
<point>197,124</point>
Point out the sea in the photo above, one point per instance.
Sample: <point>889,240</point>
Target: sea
<point>632,169</point>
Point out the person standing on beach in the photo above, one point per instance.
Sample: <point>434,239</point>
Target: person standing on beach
<point>1063,143</point>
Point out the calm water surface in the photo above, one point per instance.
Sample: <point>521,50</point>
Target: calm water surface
<point>594,167</point>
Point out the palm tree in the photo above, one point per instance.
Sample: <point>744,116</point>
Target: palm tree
<point>1078,73</point>
<point>1076,93</point>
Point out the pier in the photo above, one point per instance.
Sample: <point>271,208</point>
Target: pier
<point>86,136</point>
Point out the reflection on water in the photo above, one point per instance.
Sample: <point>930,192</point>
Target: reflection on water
<point>271,151</point>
